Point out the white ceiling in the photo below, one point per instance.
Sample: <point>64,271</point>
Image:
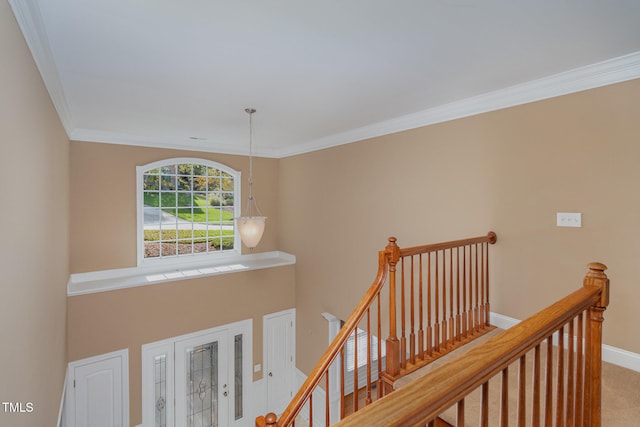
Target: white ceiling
<point>320,73</point>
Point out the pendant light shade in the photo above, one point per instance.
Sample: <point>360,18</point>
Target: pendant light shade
<point>250,226</point>
<point>251,229</point>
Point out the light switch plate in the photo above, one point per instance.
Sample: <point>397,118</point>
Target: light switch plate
<point>569,219</point>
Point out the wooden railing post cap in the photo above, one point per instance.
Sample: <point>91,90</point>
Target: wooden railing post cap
<point>596,269</point>
<point>493,237</point>
<point>597,277</point>
<point>269,420</point>
<point>392,250</point>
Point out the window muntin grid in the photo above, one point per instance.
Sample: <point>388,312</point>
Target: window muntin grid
<point>188,208</point>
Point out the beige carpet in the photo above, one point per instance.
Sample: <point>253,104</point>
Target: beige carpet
<point>620,392</point>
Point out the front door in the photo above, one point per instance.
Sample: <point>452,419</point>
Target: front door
<point>202,379</point>
<point>202,391</point>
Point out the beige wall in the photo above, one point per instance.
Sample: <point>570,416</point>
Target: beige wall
<point>103,236</point>
<point>34,172</point>
<point>509,171</point>
<point>103,193</point>
<point>108,321</point>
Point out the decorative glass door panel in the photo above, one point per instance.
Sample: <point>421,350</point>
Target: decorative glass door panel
<point>202,386</point>
<point>202,394</point>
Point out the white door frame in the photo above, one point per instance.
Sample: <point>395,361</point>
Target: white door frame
<point>70,398</point>
<point>168,346</point>
<point>265,348</point>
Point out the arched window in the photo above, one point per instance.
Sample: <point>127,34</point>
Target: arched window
<point>186,208</point>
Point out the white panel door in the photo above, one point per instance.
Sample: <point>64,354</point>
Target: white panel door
<point>98,393</point>
<point>279,360</point>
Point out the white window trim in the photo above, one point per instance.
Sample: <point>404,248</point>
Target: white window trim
<point>180,260</point>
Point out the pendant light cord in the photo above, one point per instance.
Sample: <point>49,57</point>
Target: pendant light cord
<point>250,111</point>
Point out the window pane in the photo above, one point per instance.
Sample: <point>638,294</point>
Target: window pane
<point>151,198</point>
<point>200,246</point>
<point>227,183</point>
<point>168,248</point>
<point>214,215</point>
<point>185,199</point>
<point>151,182</point>
<point>213,185</point>
<point>213,199</point>
<point>200,183</point>
<point>168,200</point>
<point>185,247</point>
<point>168,182</point>
<point>227,199</point>
<point>167,170</point>
<point>199,170</point>
<point>185,214</point>
<point>185,169</point>
<point>213,172</point>
<point>185,183</point>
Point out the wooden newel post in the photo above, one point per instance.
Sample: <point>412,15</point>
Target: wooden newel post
<point>593,390</point>
<point>270,420</point>
<point>392,252</point>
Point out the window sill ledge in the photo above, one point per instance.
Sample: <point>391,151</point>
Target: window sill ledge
<point>108,280</point>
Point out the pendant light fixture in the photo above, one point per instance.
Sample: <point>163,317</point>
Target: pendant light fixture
<point>249,225</point>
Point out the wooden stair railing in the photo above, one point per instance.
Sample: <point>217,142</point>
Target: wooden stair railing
<point>438,299</point>
<point>563,386</point>
<point>452,306</point>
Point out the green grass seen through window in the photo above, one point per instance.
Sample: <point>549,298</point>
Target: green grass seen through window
<point>202,212</point>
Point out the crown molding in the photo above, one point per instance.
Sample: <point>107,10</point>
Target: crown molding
<point>92,135</point>
<point>603,73</point>
<point>27,14</point>
<point>600,74</point>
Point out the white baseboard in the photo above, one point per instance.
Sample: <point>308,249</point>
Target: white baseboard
<point>62,413</point>
<point>610,354</point>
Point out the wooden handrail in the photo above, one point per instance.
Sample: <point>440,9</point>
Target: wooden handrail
<point>491,238</point>
<point>391,258</point>
<point>336,345</point>
<point>425,398</point>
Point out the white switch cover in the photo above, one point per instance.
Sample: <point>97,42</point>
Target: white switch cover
<point>569,219</point>
<point>257,368</point>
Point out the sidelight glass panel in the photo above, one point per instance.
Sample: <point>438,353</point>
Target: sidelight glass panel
<point>237,369</point>
<point>202,386</point>
<point>160,381</point>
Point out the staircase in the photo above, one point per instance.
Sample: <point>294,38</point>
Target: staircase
<point>428,300</point>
